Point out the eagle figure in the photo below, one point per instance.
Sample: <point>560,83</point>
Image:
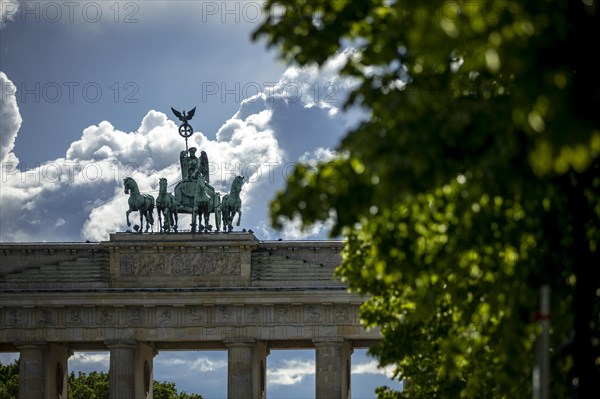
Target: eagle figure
<point>182,115</point>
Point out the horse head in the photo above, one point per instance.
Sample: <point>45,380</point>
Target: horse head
<point>162,184</point>
<point>126,183</point>
<point>236,186</point>
<point>130,185</point>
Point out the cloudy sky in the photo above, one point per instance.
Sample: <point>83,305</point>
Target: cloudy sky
<point>85,94</point>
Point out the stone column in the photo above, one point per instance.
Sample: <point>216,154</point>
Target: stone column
<point>259,370</point>
<point>43,371</point>
<point>246,369</point>
<point>333,369</point>
<point>122,369</point>
<point>57,371</point>
<point>144,371</point>
<point>32,370</point>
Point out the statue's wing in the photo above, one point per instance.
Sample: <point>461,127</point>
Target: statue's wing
<point>190,114</point>
<point>177,114</point>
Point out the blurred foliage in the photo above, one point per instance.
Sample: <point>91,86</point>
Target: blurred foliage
<point>94,385</point>
<point>474,181</point>
<point>168,390</point>
<point>9,380</point>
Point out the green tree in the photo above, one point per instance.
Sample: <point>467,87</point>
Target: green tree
<point>164,390</point>
<point>474,182</point>
<point>168,390</point>
<point>185,395</point>
<point>94,385</point>
<point>9,380</point>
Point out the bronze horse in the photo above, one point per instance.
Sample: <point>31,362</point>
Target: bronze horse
<point>144,203</point>
<point>166,206</point>
<point>232,204</point>
<point>185,199</point>
<point>202,206</point>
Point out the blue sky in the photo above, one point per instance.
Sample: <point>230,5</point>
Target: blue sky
<point>290,373</point>
<point>85,94</point>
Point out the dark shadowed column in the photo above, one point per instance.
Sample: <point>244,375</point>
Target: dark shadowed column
<point>239,370</point>
<point>333,369</point>
<point>56,364</point>
<point>122,369</point>
<point>32,370</point>
<point>246,368</point>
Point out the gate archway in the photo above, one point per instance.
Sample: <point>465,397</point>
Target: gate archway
<point>137,294</point>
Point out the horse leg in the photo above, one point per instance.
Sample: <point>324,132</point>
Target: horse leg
<point>160,225</point>
<point>167,216</point>
<point>230,216</point>
<point>176,219</point>
<point>224,220</point>
<point>169,219</point>
<point>193,219</point>
<point>200,226</point>
<point>144,214</point>
<point>217,219</point>
<point>169,212</point>
<point>149,215</point>
<point>239,217</point>
<point>227,219</point>
<point>127,217</point>
<point>207,227</point>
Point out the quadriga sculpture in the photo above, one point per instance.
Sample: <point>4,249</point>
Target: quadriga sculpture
<point>194,170</point>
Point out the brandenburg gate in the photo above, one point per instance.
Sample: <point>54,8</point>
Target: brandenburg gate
<point>137,294</point>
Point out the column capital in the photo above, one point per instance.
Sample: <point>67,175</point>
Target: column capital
<point>121,343</point>
<point>332,341</point>
<point>31,345</point>
<point>242,342</point>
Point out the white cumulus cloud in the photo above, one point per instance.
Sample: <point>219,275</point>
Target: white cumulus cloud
<point>79,359</point>
<point>202,364</point>
<point>10,117</point>
<point>292,372</point>
<point>372,367</point>
<point>80,195</point>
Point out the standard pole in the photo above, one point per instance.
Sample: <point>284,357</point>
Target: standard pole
<point>541,370</point>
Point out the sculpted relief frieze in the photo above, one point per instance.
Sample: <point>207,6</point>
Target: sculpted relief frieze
<point>175,316</point>
<point>179,264</point>
<point>198,322</point>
